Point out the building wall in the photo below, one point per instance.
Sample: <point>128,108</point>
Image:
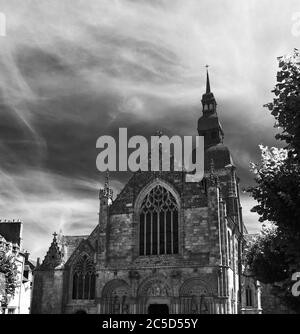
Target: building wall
<point>20,302</point>
<point>199,259</point>
<point>204,277</point>
<point>48,292</point>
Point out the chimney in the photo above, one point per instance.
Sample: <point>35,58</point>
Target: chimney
<point>26,256</point>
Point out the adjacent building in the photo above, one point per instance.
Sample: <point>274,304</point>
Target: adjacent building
<point>11,247</point>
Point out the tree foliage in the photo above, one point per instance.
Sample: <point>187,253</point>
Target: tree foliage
<point>276,253</point>
<point>286,104</point>
<point>9,269</point>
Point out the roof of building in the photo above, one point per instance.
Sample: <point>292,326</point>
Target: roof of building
<point>220,155</point>
<point>11,231</point>
<point>70,243</point>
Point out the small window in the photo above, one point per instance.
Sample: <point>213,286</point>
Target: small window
<point>26,274</point>
<point>249,297</point>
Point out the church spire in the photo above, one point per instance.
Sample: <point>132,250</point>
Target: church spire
<point>207,80</point>
<point>208,100</point>
<point>208,124</point>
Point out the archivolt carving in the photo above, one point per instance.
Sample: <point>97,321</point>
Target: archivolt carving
<point>115,297</point>
<point>155,287</point>
<point>114,286</point>
<point>195,297</point>
<point>194,287</point>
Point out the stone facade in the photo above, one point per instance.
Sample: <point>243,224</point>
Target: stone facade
<point>190,263</point>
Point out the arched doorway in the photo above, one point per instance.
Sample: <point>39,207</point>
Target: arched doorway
<point>158,309</point>
<point>116,297</point>
<point>195,297</point>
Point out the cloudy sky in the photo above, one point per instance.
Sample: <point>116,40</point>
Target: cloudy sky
<point>72,70</point>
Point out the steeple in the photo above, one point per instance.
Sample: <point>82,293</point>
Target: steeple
<point>207,81</point>
<point>209,103</point>
<point>209,125</point>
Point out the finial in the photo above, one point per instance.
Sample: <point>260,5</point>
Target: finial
<point>54,235</point>
<point>106,185</point>
<point>107,192</point>
<point>158,133</point>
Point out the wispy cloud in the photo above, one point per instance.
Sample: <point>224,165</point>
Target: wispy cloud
<point>73,70</point>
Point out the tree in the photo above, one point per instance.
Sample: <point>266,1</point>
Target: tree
<point>9,269</point>
<point>275,255</point>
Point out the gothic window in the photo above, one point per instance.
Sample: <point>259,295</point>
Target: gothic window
<point>84,279</point>
<point>159,223</point>
<point>249,297</point>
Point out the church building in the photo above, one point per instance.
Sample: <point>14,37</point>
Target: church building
<point>162,246</point>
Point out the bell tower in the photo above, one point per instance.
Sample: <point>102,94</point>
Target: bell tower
<point>208,124</point>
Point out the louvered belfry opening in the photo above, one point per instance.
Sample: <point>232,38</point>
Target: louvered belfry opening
<point>159,223</point>
<point>84,279</point>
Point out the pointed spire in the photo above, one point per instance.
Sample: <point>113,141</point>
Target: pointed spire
<point>54,255</point>
<point>207,80</point>
<point>106,192</point>
<point>208,100</point>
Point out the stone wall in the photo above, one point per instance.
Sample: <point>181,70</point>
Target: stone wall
<point>47,292</point>
<point>120,238</point>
